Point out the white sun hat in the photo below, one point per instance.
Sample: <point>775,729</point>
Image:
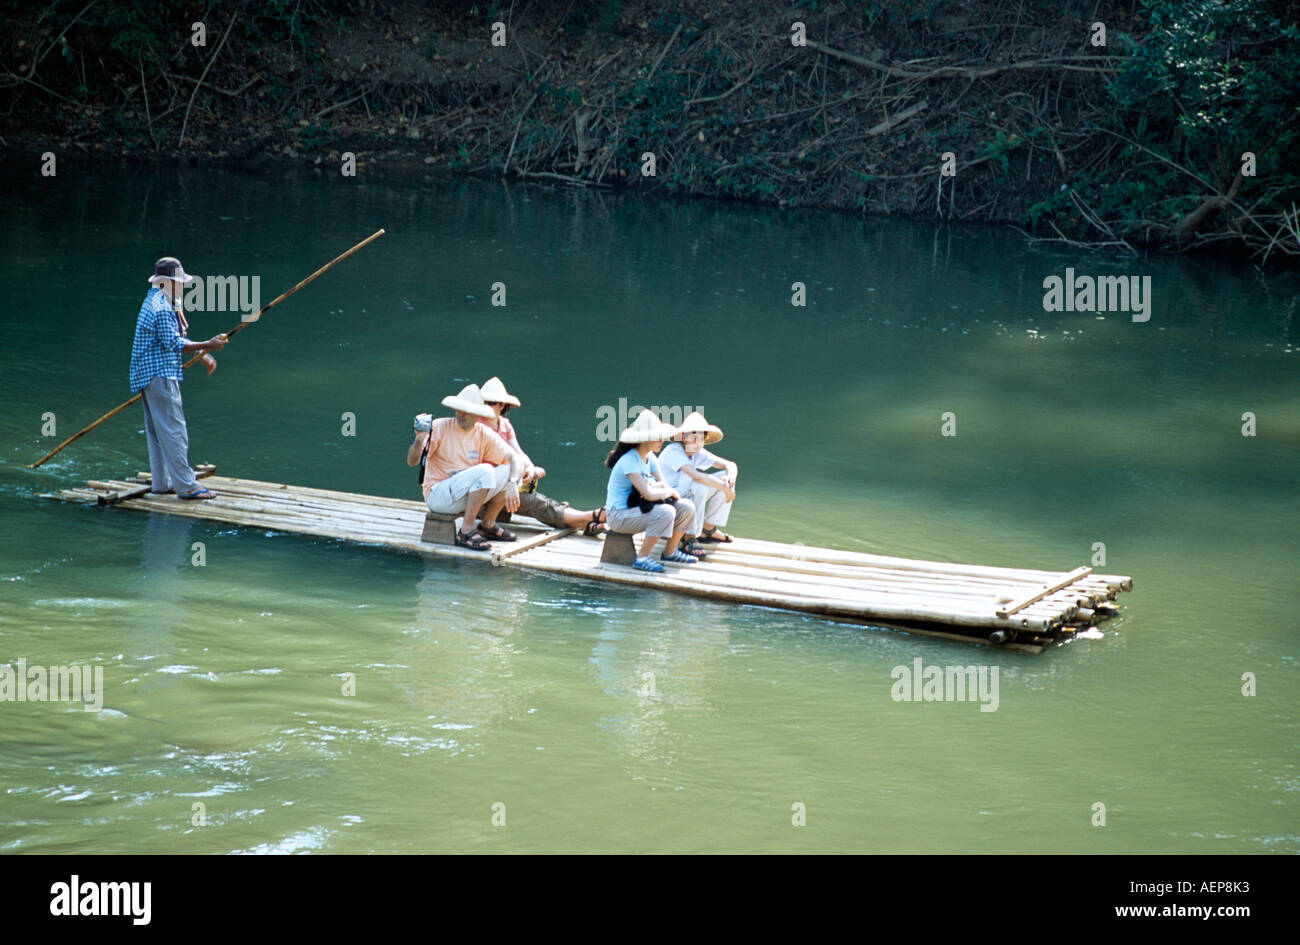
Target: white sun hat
<point>169,267</point>
<point>695,423</point>
<point>647,427</point>
<point>495,392</point>
<point>469,400</point>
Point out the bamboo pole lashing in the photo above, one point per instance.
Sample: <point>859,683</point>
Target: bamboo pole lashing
<point>1021,602</point>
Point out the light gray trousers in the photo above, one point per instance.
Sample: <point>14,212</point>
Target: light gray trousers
<point>660,522</point>
<point>168,437</point>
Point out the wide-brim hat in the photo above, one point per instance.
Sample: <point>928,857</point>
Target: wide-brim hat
<point>169,267</point>
<point>495,392</point>
<point>469,400</point>
<point>646,428</point>
<point>695,423</point>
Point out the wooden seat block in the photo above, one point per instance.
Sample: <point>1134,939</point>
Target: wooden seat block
<point>618,549</point>
<point>439,529</point>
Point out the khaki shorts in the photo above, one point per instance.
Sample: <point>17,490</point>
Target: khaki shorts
<point>541,507</point>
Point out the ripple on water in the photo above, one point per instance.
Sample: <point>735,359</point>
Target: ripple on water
<point>228,787</point>
<point>304,841</point>
<point>79,602</point>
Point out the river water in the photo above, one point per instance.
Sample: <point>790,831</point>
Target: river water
<point>497,710</point>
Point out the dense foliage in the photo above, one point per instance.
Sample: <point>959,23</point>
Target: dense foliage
<point>1137,140</point>
<point>1207,83</point>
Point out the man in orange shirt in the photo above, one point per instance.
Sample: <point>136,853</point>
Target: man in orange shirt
<point>467,467</point>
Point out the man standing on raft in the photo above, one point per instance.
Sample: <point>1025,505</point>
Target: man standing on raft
<point>156,373</point>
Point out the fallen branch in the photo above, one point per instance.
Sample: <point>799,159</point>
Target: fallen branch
<point>898,119</point>
<point>1057,63</point>
<point>19,78</point>
<point>550,175</point>
<point>227,92</point>
<point>211,59</point>
<point>505,165</point>
<point>144,87</point>
<point>1097,222</point>
<point>1188,224</point>
<point>1291,224</point>
<point>717,98</point>
<point>1230,201</point>
<point>1077,244</point>
<point>325,111</point>
<point>663,52</point>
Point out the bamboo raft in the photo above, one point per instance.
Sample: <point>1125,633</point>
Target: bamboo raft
<point>1013,608</point>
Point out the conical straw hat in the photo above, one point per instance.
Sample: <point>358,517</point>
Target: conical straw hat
<point>695,423</point>
<point>469,400</point>
<point>495,392</point>
<point>647,427</point>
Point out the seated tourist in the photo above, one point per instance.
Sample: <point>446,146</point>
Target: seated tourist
<point>467,468</point>
<point>637,498</point>
<point>684,462</point>
<point>531,502</point>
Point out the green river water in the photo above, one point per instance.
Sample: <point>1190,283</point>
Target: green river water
<point>480,686</point>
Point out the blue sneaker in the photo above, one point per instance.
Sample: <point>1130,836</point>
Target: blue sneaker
<point>680,557</point>
<point>647,563</point>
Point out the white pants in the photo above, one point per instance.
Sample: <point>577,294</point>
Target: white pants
<point>448,496</point>
<point>711,506</point>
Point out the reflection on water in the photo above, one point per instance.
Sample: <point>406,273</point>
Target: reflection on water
<point>658,665</point>
<point>461,652</point>
<point>164,551</point>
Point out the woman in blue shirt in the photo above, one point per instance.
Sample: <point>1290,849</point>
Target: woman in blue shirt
<point>655,507</point>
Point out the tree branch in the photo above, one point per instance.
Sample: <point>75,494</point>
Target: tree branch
<point>213,58</point>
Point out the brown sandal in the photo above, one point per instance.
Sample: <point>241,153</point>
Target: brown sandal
<point>497,533</point>
<point>595,526</point>
<point>473,541</point>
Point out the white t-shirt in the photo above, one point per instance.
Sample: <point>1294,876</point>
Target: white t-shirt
<point>674,456</point>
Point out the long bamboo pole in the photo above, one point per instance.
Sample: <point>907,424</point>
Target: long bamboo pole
<point>238,328</point>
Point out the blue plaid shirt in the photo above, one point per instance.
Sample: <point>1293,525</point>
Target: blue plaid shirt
<point>156,351</point>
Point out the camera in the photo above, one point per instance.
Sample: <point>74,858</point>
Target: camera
<point>424,422</point>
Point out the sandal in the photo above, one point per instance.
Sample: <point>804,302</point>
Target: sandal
<point>712,534</point>
<point>473,541</point>
<point>647,563</point>
<point>595,526</point>
<point>198,494</point>
<point>497,533</point>
<point>692,546</point>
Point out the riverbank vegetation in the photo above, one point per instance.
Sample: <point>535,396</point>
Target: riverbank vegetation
<point>1168,123</point>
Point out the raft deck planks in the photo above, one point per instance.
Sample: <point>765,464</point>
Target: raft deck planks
<point>972,603</point>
